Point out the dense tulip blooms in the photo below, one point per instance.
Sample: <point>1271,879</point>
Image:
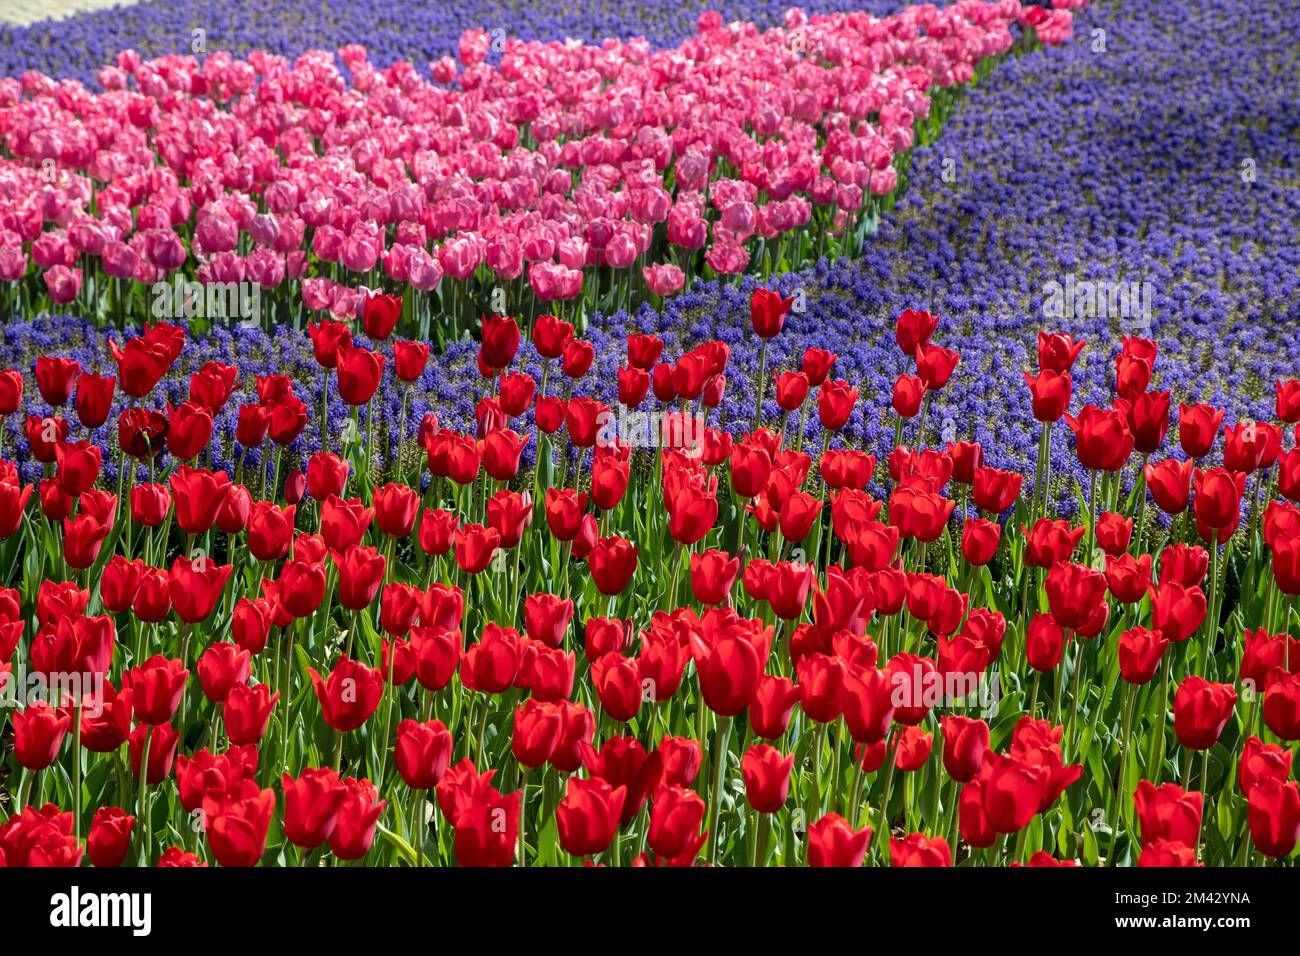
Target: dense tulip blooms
<point>1197,427</point>
<point>1127,578</point>
<point>422,753</point>
<point>792,389</point>
<point>1170,484</point>
<point>300,588</point>
<point>564,510</point>
<point>119,584</point>
<point>437,655</point>
<point>1102,439</point>
<point>766,772</point>
<point>612,562</point>
<point>1073,593</point>
<point>516,393</point>
<point>1288,475</point>
<point>916,849</point>
<point>908,393</point>
<point>820,679</point>
<point>1288,401</point>
<point>509,513</point>
<point>349,695</point>
<point>912,749</point>
<point>501,452</point>
<point>189,429</point>
<point>1057,352</point>
<point>1273,813</point>
<point>109,837</point>
<point>832,841</point>
<point>1168,812</point>
<point>270,530</point>
<point>39,730</point>
<point>675,818</point>
<point>965,742</point>
<point>221,667</point>
<point>767,312</point>
<point>251,427</point>
<point>588,817</point>
<point>1201,710</point>
<point>196,585</point>
<point>1050,393</point>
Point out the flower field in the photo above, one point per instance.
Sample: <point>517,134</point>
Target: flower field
<point>641,435</point>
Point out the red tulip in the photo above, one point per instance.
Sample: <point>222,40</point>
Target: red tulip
<point>349,695</point>
<point>311,806</point>
<point>832,841</point>
<point>1201,710</point>
<point>1197,427</point>
<point>39,730</point>
<point>1050,393</point>
<point>55,378</point>
<point>110,837</point>
<point>1273,813</point>
<point>587,818</point>
<point>423,753</point>
<point>1102,439</point>
<point>221,667</point>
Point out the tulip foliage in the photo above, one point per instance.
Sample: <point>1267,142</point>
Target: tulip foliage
<point>730,650</point>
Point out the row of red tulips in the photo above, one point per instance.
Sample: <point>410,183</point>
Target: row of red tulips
<point>730,653</point>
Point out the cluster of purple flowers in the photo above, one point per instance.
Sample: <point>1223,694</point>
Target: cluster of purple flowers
<point>413,30</point>
<point>1058,174</point>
